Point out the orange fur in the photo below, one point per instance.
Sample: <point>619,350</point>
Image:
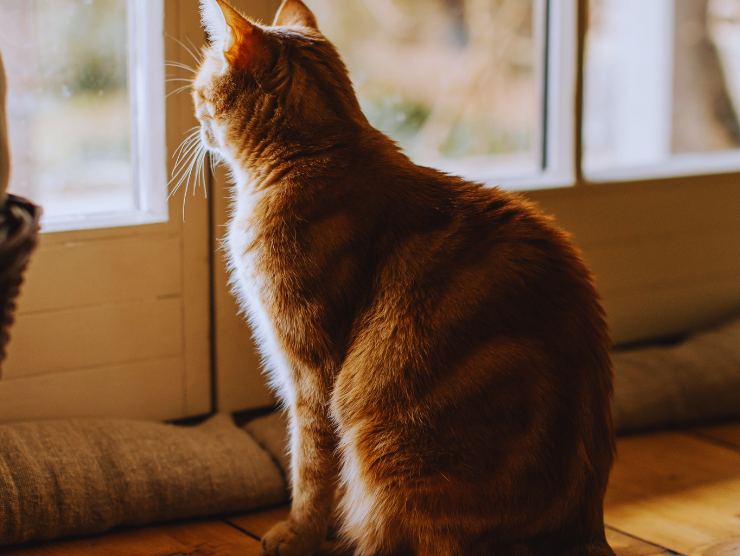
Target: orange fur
<point>438,344</point>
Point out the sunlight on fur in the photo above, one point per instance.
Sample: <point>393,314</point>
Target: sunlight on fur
<point>190,156</point>
<point>438,345</point>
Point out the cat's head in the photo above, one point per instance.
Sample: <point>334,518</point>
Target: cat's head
<point>259,83</point>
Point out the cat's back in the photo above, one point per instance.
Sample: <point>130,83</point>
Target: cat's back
<point>438,226</point>
<point>486,353</point>
<point>470,276</point>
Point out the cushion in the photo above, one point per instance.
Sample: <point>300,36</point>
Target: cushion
<point>79,477</point>
<point>271,432</point>
<point>689,382</point>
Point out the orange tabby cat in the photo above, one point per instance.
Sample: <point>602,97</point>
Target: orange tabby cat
<point>438,344</point>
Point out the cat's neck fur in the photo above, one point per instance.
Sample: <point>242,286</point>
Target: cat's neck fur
<point>262,164</point>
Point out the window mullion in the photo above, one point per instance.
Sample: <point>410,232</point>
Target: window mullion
<point>560,109</point>
<point>582,19</point>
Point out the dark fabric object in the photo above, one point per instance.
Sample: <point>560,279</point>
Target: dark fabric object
<point>695,381</point>
<point>271,432</point>
<point>19,228</point>
<point>80,477</point>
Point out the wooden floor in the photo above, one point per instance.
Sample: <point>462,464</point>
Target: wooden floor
<point>670,493</point>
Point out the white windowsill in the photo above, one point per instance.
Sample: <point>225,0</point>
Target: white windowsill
<point>678,166</point>
<point>59,224</point>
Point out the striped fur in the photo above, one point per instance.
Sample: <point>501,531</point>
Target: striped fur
<point>439,345</point>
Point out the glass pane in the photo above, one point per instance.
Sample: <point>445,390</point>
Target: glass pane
<point>662,83</point>
<point>455,82</point>
<point>68,104</point>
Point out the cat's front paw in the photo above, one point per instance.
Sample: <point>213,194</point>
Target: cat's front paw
<point>287,539</point>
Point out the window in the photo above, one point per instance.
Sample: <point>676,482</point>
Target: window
<point>662,87</point>
<point>484,88</point>
<point>459,85</point>
<point>86,109</point>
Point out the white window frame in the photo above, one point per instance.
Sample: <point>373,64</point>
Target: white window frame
<point>557,24</point>
<point>146,82</point>
<point>555,30</point>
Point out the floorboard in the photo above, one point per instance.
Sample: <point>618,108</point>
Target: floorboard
<point>626,545</point>
<point>670,493</point>
<point>679,491</point>
<point>209,538</point>
<point>726,434</point>
<point>258,524</point>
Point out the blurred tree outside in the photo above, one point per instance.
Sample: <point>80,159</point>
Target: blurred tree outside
<point>704,113</point>
<point>662,81</point>
<point>455,82</point>
<point>69,107</point>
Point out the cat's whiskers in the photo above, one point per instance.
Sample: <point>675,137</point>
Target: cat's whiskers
<point>192,134</point>
<point>190,165</point>
<point>182,174</point>
<point>198,165</point>
<point>214,160</point>
<point>180,65</point>
<point>187,176</point>
<point>186,156</point>
<point>177,155</point>
<point>203,173</point>
<point>188,81</point>
<point>191,51</point>
<point>179,90</point>
<point>197,161</point>
<point>196,52</point>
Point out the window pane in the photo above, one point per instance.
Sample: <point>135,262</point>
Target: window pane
<point>68,104</point>
<point>662,84</point>
<point>455,82</point>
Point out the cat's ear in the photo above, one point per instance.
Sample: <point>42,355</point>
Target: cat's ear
<point>241,40</point>
<point>295,12</point>
<point>214,22</point>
